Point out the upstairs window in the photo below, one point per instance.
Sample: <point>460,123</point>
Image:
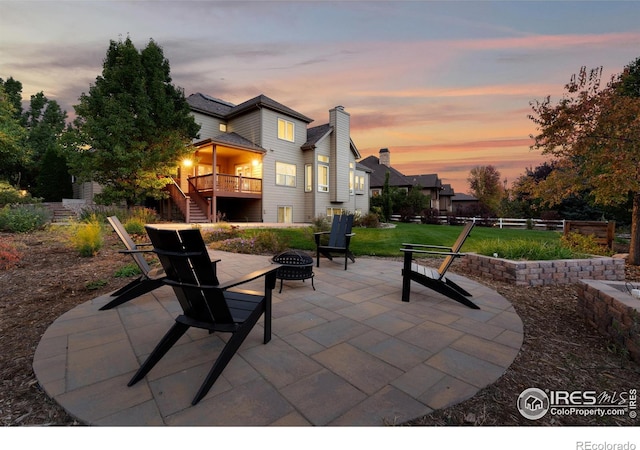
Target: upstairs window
<point>285,130</point>
<point>285,174</point>
<point>323,173</point>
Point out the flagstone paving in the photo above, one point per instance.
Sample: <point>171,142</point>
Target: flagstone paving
<point>349,353</point>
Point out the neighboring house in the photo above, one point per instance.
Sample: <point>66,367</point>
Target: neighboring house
<point>269,165</point>
<point>430,184</point>
<point>461,202</point>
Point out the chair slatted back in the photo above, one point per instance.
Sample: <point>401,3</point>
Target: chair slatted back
<point>129,244</point>
<point>185,259</point>
<point>466,231</point>
<point>340,227</point>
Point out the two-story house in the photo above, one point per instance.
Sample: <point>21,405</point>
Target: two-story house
<point>259,161</point>
<point>430,184</point>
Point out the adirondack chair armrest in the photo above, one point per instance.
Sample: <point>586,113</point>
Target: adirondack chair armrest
<point>430,252</point>
<point>269,272</point>
<point>317,235</point>
<point>129,252</point>
<point>441,247</point>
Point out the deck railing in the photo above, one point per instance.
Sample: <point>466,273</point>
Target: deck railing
<point>227,183</point>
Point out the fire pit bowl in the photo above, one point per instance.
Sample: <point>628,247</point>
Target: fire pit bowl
<point>294,265</point>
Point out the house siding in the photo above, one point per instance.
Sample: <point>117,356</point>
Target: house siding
<point>209,126</point>
<point>279,150</point>
<point>340,152</point>
<point>249,126</point>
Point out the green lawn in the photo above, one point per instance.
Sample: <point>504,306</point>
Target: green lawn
<point>387,241</point>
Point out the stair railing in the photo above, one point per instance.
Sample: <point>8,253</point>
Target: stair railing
<point>200,200</point>
<point>179,198</point>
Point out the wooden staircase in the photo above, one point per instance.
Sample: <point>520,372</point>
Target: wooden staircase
<point>196,215</point>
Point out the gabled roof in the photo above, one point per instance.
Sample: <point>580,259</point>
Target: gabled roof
<point>315,134</point>
<point>463,198</point>
<point>426,180</point>
<point>447,191</point>
<point>209,105</point>
<point>224,110</point>
<point>378,174</point>
<point>231,139</point>
<point>262,101</point>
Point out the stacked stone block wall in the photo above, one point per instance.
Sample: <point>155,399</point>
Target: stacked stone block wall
<point>540,273</point>
<point>613,313</point>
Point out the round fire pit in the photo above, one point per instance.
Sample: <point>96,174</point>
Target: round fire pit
<point>294,266</point>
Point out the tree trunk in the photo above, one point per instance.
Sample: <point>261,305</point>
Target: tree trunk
<point>634,246</point>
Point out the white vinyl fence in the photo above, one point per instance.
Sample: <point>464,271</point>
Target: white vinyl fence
<point>498,222</point>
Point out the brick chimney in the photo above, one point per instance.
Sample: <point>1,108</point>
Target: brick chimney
<point>385,157</point>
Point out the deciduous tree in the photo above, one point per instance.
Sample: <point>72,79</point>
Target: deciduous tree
<point>484,182</point>
<point>594,135</point>
<point>13,152</point>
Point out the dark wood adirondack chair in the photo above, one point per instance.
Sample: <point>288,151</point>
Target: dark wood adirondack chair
<point>431,278</point>
<point>205,303</point>
<point>339,239</point>
<point>149,280</point>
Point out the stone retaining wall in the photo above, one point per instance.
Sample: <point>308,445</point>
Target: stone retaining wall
<point>539,273</point>
<point>612,312</point>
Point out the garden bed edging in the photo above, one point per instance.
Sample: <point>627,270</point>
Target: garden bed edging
<point>541,273</point>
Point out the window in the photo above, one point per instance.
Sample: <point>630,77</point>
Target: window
<point>285,130</point>
<point>308,177</point>
<point>285,214</point>
<point>351,178</point>
<point>323,173</point>
<point>334,211</point>
<point>223,127</point>
<point>359,183</point>
<point>285,174</point>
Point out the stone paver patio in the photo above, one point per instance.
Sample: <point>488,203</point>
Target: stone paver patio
<point>349,353</point>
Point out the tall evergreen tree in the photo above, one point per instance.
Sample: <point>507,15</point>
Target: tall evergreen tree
<point>45,123</point>
<point>133,126</point>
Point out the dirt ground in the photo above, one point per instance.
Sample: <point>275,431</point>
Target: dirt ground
<point>559,351</point>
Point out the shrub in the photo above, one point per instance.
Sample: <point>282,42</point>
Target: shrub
<point>220,233</point>
<point>321,223</point>
<point>128,270</point>
<point>23,218</point>
<point>134,226</point>
<point>369,220</point>
<point>142,214</point>
<point>524,249</point>
<point>101,212</point>
<point>261,242</point>
<point>10,195</point>
<point>9,255</point>
<point>581,243</point>
<point>87,237</point>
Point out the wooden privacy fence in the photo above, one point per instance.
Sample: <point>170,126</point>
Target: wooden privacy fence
<point>604,232</point>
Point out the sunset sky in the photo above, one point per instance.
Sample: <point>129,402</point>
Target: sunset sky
<point>445,85</point>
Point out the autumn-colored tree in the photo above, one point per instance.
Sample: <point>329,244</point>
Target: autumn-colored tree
<point>484,182</point>
<point>594,135</point>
